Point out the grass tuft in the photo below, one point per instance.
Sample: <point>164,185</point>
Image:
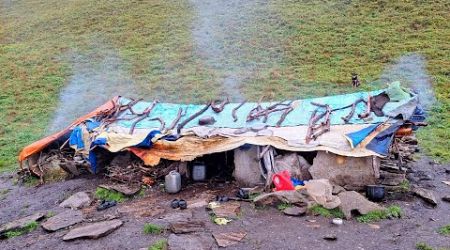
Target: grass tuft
<point>445,230</point>
<point>152,229</point>
<point>405,185</point>
<point>31,226</point>
<point>327,213</point>
<point>377,215</point>
<point>283,206</point>
<point>423,246</point>
<point>159,245</point>
<point>109,195</point>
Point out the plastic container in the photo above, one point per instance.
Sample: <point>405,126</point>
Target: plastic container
<point>198,172</point>
<point>282,181</point>
<point>375,192</point>
<point>173,182</point>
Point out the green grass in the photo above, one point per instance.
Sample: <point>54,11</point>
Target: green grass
<point>377,215</point>
<point>27,229</point>
<point>159,245</point>
<point>109,195</point>
<point>283,206</point>
<point>321,45</point>
<point>405,185</point>
<point>423,246</point>
<point>152,229</point>
<point>445,230</point>
<point>327,213</point>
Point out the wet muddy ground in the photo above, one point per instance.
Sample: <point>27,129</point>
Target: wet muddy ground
<point>266,228</point>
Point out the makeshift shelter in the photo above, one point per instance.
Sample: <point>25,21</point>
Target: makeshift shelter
<point>358,125</point>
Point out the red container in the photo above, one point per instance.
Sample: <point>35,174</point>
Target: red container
<point>282,181</point>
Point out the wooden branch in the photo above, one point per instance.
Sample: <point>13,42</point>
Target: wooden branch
<point>177,119</point>
<point>192,117</point>
<point>219,107</point>
<point>233,113</point>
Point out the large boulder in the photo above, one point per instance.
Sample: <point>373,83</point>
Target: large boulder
<point>247,171</point>
<point>353,201</point>
<point>352,173</point>
<point>297,166</point>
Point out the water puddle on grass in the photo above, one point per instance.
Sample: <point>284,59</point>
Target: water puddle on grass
<point>96,77</point>
<point>231,38</point>
<point>411,71</point>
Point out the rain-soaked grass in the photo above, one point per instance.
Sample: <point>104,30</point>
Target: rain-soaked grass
<point>315,47</point>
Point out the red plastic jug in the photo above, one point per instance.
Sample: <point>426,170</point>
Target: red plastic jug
<point>282,181</point>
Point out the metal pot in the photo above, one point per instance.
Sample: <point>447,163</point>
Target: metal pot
<point>375,192</point>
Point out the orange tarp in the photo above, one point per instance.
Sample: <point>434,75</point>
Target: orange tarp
<point>44,142</point>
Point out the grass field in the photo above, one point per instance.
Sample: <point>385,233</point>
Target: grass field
<point>321,44</point>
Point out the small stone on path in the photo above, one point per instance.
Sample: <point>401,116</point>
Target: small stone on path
<point>330,237</point>
<point>63,220</point>
<point>76,201</point>
<point>446,198</point>
<point>93,230</point>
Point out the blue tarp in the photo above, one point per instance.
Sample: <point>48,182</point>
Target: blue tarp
<point>224,119</point>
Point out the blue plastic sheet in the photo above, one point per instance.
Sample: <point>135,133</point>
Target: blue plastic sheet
<point>224,119</point>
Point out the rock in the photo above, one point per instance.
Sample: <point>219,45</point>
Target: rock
<point>227,210</point>
<point>447,171</point>
<point>330,237</point>
<point>374,226</point>
<point>122,188</point>
<point>446,198</point>
<point>63,220</point>
<point>337,221</point>
<point>351,201</point>
<point>295,211</point>
<point>187,227</point>
<point>352,173</point>
<point>297,166</point>
<point>228,239</point>
<point>247,167</point>
<point>76,201</point>
<point>186,242</point>
<point>391,179</point>
<point>426,195</point>
<point>298,197</point>
<point>94,230</point>
<point>321,192</point>
<point>337,189</point>
<point>21,223</point>
<point>174,217</point>
<point>206,120</point>
<point>426,177</point>
<point>446,182</point>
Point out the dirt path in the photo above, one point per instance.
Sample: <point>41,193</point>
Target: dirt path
<point>266,229</point>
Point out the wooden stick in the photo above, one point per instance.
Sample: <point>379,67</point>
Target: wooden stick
<point>233,113</point>
<point>192,117</point>
<point>144,115</point>
<point>219,107</point>
<point>177,119</point>
<point>283,116</point>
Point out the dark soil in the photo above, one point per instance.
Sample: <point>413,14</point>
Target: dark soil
<point>266,228</point>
